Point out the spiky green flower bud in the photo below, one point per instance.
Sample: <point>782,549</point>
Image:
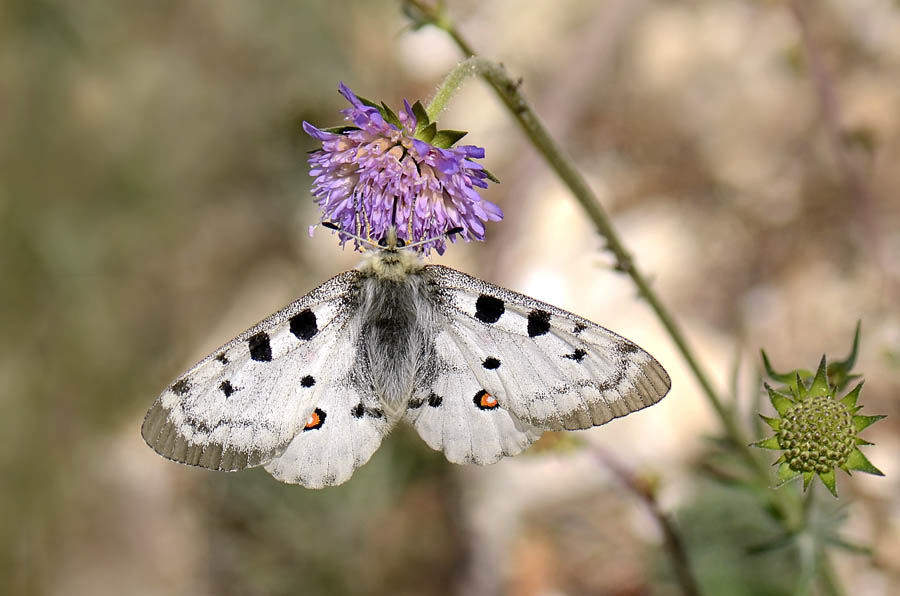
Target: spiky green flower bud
<point>816,432</point>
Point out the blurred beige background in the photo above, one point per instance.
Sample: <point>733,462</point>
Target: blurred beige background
<point>154,200</point>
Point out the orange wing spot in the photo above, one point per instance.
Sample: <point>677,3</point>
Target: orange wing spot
<point>315,420</point>
<point>485,400</point>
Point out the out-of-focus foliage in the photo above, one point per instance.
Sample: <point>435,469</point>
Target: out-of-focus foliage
<point>154,198</point>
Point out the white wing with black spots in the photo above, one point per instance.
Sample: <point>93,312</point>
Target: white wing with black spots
<point>548,367</point>
<point>341,434</point>
<point>244,403</point>
<point>456,415</point>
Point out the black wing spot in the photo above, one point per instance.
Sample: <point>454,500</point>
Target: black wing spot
<point>489,309</point>
<point>538,322</point>
<point>415,404</point>
<point>491,363</point>
<point>260,349</point>
<point>374,412</point>
<point>485,401</point>
<point>221,357</point>
<point>227,388</point>
<point>578,355</point>
<point>181,387</point>
<point>435,400</point>
<point>307,381</point>
<point>578,328</point>
<point>358,410</point>
<point>303,324</point>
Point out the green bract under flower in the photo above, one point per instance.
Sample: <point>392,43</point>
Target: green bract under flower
<point>816,432</point>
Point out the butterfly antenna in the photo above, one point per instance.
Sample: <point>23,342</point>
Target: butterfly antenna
<point>448,233</point>
<point>333,226</point>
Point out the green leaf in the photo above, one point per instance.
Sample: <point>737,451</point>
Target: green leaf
<point>828,480</point>
<point>839,542</point>
<point>777,543</point>
<point>858,461</point>
<point>368,102</point>
<point>421,115</point>
<point>774,423</point>
<point>839,372</point>
<point>861,422</point>
<point>799,388</point>
<point>447,138</point>
<point>820,384</point>
<point>849,400</point>
<point>780,402</point>
<point>490,176</point>
<point>389,115</point>
<point>339,130</point>
<point>785,473</point>
<point>807,478</point>
<point>768,443</point>
<point>785,378</point>
<point>427,133</point>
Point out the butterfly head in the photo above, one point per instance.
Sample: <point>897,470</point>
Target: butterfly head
<point>393,259</point>
<point>390,257</point>
<point>391,242</point>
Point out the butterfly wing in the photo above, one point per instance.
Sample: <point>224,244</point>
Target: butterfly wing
<point>547,367</point>
<point>451,416</point>
<point>343,431</point>
<point>274,390</point>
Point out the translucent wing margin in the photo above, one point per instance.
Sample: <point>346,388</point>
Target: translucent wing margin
<point>243,404</point>
<point>548,367</point>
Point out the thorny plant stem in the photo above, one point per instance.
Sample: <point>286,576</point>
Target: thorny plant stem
<point>508,91</point>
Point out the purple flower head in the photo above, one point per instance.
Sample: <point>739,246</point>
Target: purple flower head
<point>386,169</point>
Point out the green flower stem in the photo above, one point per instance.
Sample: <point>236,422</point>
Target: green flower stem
<point>823,571</point>
<point>508,91</point>
<point>453,81</point>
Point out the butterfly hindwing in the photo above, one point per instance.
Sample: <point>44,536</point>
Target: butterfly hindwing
<point>456,415</point>
<point>547,367</point>
<point>244,403</point>
<point>342,432</point>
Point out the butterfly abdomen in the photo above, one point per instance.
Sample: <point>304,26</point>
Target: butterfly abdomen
<point>394,338</point>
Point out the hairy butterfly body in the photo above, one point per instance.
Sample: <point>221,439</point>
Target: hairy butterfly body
<point>479,371</point>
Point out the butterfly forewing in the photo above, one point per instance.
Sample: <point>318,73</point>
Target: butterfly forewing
<point>245,402</point>
<point>547,367</point>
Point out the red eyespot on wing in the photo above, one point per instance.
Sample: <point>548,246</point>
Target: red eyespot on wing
<point>315,420</point>
<point>485,400</point>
